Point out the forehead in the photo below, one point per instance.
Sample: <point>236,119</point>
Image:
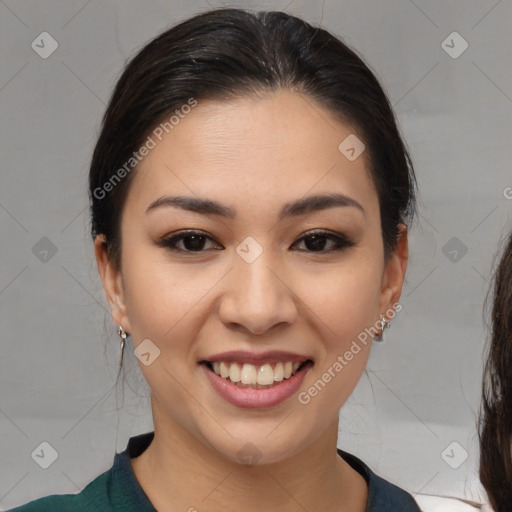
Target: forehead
<point>254,152</point>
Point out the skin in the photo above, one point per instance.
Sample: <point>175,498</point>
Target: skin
<point>253,155</point>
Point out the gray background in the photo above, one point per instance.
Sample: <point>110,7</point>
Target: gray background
<point>422,389</point>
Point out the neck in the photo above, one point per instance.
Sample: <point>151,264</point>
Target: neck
<point>179,472</point>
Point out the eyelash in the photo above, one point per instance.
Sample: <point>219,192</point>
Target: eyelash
<point>341,241</point>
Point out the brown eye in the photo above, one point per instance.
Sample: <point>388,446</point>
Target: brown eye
<point>316,241</point>
<point>193,241</point>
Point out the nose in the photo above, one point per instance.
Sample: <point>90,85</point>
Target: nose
<point>257,296</point>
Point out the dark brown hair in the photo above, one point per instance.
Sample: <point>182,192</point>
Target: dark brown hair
<point>495,422</point>
<point>228,53</point>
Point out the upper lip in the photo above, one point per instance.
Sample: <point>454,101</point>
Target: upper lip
<point>254,358</point>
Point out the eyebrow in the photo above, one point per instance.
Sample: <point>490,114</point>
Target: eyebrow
<point>292,209</point>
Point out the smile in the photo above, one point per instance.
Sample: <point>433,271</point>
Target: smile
<point>255,376</point>
<point>249,381</point>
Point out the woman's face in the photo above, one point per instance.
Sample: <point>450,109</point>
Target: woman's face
<point>258,289</point>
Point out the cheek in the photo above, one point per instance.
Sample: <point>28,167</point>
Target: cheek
<point>345,297</point>
<point>169,303</point>
<point>162,297</point>
<point>159,295</point>
<point>345,305</point>
<point>163,306</point>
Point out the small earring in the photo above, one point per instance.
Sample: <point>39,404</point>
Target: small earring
<point>383,324</point>
<point>122,334</point>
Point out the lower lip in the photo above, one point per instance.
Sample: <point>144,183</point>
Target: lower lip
<point>256,398</point>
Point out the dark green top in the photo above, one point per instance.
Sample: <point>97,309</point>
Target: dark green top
<point>117,489</point>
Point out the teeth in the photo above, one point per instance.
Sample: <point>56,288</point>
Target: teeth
<point>234,373</point>
<point>265,375</point>
<point>224,370</point>
<point>251,375</point>
<point>248,375</point>
<point>288,367</point>
<point>278,372</point>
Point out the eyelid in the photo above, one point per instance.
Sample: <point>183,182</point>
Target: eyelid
<point>168,241</point>
<point>341,240</point>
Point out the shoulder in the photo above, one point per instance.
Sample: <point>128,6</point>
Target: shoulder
<point>115,490</point>
<point>92,497</point>
<point>53,503</point>
<point>383,496</point>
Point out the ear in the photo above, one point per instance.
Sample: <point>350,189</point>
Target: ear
<point>111,279</point>
<point>394,272</point>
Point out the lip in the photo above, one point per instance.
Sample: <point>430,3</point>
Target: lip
<point>256,398</point>
<point>243,356</point>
